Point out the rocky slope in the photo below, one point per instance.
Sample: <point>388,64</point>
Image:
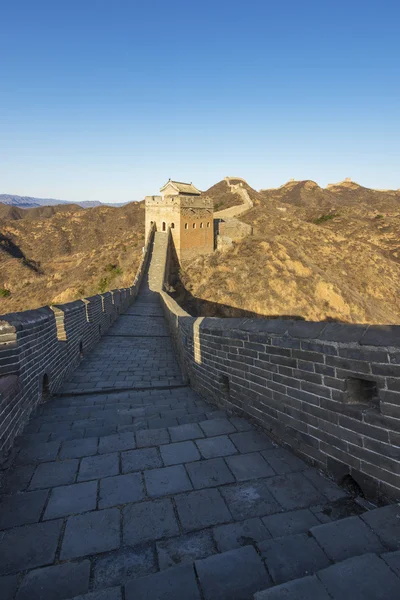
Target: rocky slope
<point>61,253</point>
<point>316,254</point>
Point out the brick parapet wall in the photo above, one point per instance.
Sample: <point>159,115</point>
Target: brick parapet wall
<point>329,391</point>
<point>40,348</point>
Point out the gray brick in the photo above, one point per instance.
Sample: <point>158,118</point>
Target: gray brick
<point>29,546</point>
<point>56,583</point>
<point>152,437</point>
<point>178,583</point>
<point>169,480</point>
<point>140,460</point>
<point>200,509</point>
<point>91,533</point>
<point>149,521</point>
<point>290,523</point>
<point>251,441</point>
<point>71,499</point>
<point>21,509</point>
<point>121,490</point>
<point>79,448</point>
<point>54,473</point>
<point>249,466</point>
<point>251,499</point>
<point>346,538</point>
<point>96,467</point>
<point>117,568</point>
<point>185,548</point>
<point>361,578</point>
<point>117,442</point>
<point>292,557</point>
<point>209,473</point>
<point>180,452</point>
<point>234,575</point>
<point>244,533</point>
<point>189,431</point>
<point>216,446</point>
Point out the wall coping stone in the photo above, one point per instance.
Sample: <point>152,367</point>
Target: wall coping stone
<point>366,335</point>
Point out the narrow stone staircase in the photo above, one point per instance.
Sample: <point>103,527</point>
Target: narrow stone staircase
<point>130,486</point>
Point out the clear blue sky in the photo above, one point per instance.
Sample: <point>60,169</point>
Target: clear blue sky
<point>108,99</point>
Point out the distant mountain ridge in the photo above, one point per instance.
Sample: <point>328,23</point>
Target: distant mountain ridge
<point>31,202</point>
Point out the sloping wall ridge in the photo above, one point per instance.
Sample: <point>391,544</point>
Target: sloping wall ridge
<point>39,348</point>
<point>329,391</point>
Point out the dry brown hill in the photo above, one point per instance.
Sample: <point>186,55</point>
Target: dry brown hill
<point>55,254</point>
<point>316,254</point>
<point>224,197</point>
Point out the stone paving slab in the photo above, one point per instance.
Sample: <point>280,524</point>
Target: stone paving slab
<point>178,583</point>
<point>361,578</point>
<point>346,538</point>
<point>29,546</point>
<point>306,588</point>
<point>155,491</point>
<point>292,557</point>
<point>234,575</point>
<point>55,583</point>
<point>71,500</point>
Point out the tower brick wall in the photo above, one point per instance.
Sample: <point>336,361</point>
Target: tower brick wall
<point>190,219</point>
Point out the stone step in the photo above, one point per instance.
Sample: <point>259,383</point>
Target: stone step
<point>121,421</point>
<point>292,557</point>
<point>236,574</point>
<point>365,577</point>
<point>374,531</point>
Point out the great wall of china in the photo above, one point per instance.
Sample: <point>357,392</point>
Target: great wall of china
<point>193,435</point>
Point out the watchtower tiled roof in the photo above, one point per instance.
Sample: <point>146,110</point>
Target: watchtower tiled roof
<point>182,188</point>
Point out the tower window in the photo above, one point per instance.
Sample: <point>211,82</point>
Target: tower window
<point>172,225</point>
<point>186,226</point>
<point>164,226</point>
<point>208,224</point>
<point>201,225</point>
<point>194,225</point>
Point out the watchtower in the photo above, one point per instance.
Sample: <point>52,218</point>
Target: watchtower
<point>188,214</point>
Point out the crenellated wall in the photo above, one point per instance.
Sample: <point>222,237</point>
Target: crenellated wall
<point>329,391</point>
<point>39,348</point>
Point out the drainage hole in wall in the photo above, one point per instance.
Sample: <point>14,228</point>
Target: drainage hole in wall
<point>361,391</point>
<point>351,486</point>
<point>45,388</point>
<point>224,384</point>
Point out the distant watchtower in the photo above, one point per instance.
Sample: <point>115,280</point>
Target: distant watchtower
<point>188,214</point>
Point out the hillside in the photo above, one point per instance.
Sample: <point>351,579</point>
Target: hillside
<point>316,253</point>
<point>224,197</point>
<point>60,253</point>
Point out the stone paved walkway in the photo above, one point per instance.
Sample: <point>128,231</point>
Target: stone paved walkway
<point>155,494</point>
